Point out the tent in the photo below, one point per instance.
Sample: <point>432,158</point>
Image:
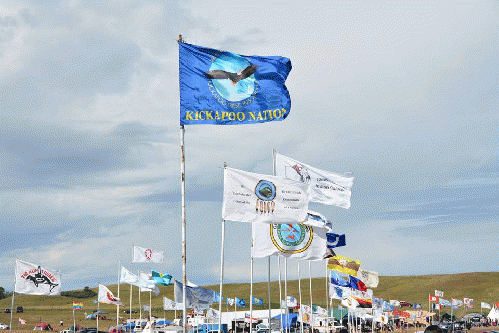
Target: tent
<point>291,319</point>
<point>493,314</point>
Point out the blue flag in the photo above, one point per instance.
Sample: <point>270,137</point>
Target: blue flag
<point>339,281</point>
<point>217,298</point>
<point>240,302</point>
<point>418,306</point>
<point>335,240</point>
<point>387,306</point>
<point>224,88</point>
<point>257,301</point>
<point>162,279</point>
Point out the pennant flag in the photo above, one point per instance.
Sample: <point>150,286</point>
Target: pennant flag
<point>335,240</point>
<point>339,281</point>
<point>439,293</point>
<point>169,304</point>
<point>370,279</point>
<point>257,301</point>
<point>141,254</point>
<point>77,306</point>
<point>394,302</point>
<point>22,321</point>
<point>196,297</point>
<point>357,284</point>
<point>343,265</point>
<point>161,279</point>
<point>251,197</point>
<point>106,296</point>
<point>417,306</point>
<point>296,240</point>
<point>485,305</point>
<point>434,298</point>
<point>240,302</point>
<point>127,277</point>
<point>468,302</point>
<point>36,280</point>
<point>326,187</point>
<point>223,88</point>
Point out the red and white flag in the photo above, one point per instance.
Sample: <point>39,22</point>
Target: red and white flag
<point>33,279</point>
<point>106,296</point>
<point>434,298</point>
<point>141,254</point>
<point>22,321</point>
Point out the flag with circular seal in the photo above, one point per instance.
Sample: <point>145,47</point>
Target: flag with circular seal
<point>292,240</point>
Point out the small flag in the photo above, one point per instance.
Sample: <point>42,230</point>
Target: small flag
<point>247,318</point>
<point>335,240</point>
<point>444,302</point>
<point>357,284</point>
<point>22,321</point>
<point>369,278</point>
<point>434,298</point>
<point>223,88</point>
<point>146,308</point>
<point>439,293</point>
<point>257,301</point>
<point>418,306</point>
<point>436,306</point>
<point>468,302</point>
<point>402,304</point>
<point>106,296</point>
<point>230,301</point>
<point>196,297</point>
<point>77,306</point>
<point>161,279</point>
<point>127,277</point>
<point>496,304</point>
<point>326,187</point>
<point>252,197</point>
<point>169,304</point>
<point>146,283</point>
<point>339,281</point>
<point>387,307</point>
<point>457,303</point>
<point>240,302</point>
<point>291,302</point>
<point>141,254</point>
<point>394,302</point>
<point>343,265</point>
<point>485,305</point>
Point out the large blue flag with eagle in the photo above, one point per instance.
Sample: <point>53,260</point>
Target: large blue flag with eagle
<point>223,88</point>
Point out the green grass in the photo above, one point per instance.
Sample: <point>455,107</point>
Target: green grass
<point>482,287</point>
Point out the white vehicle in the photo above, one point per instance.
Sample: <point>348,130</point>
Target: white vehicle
<point>3,326</point>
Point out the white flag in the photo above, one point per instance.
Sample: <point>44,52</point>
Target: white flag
<point>349,302</point>
<point>325,187</point>
<point>439,293</point>
<point>338,292</point>
<point>485,305</point>
<point>370,279</point>
<point>146,283</point>
<point>141,254</point>
<point>106,296</point>
<point>291,302</point>
<point>394,302</point>
<point>251,197</point>
<point>212,313</point>
<point>127,277</point>
<point>230,301</point>
<point>288,240</point>
<point>169,304</point>
<point>36,280</point>
<point>196,297</point>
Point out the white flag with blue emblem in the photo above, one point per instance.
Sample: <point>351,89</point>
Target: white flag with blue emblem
<point>252,197</point>
<point>298,240</point>
<point>325,187</point>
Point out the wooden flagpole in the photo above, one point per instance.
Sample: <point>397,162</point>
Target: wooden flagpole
<point>184,248</point>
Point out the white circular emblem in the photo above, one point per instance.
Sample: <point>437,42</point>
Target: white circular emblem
<point>291,238</point>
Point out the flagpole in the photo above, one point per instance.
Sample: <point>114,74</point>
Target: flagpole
<point>270,307</point>
<point>98,310</point>
<point>311,301</point>
<point>251,288</point>
<point>327,296</point>
<point>280,291</point>
<point>118,306</point>
<point>184,249</point>
<point>286,291</point>
<point>13,294</point>
<point>150,305</point>
<point>140,306</point>
<point>299,292</point>
<point>222,257</point>
<point>74,321</point>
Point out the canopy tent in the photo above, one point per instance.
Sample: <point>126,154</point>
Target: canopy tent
<point>291,319</point>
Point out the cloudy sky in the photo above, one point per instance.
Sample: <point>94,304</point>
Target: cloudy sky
<point>403,94</point>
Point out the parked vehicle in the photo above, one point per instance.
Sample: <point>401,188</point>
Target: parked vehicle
<point>7,310</point>
<point>43,327</point>
<point>19,309</point>
<point>4,326</point>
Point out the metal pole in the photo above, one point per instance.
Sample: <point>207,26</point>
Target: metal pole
<point>184,249</point>
<point>299,292</point>
<point>251,288</point>
<point>98,310</point>
<point>222,254</point>
<point>270,307</point>
<point>280,292</point>
<point>130,305</point>
<point>140,306</point>
<point>150,305</point>
<point>117,307</point>
<point>311,301</point>
<point>286,292</point>
<point>74,321</point>
<point>327,298</point>
<point>12,307</point>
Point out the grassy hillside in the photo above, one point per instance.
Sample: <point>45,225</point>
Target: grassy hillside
<point>482,287</point>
